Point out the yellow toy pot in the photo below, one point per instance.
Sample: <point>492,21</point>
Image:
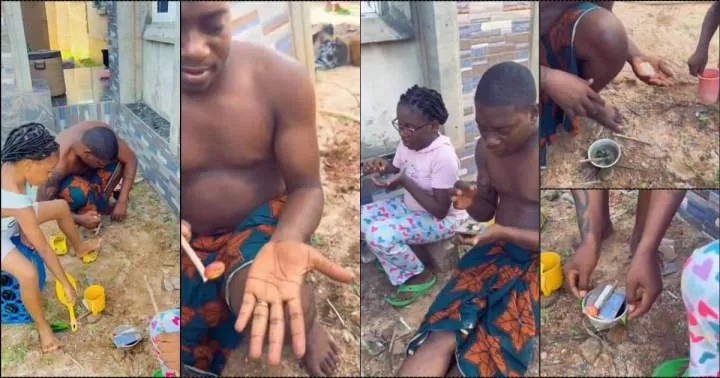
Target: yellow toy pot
<point>94,297</point>
<point>551,277</point>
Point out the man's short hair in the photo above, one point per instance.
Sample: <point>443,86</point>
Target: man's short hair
<point>506,84</point>
<point>102,142</point>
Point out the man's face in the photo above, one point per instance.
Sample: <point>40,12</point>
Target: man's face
<point>92,161</point>
<point>505,128</point>
<point>205,37</point>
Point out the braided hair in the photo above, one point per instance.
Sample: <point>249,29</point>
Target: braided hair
<point>29,141</point>
<point>428,101</point>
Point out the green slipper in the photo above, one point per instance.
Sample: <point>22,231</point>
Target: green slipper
<point>157,373</point>
<point>418,291</point>
<point>379,266</point>
<point>59,326</point>
<point>672,368</point>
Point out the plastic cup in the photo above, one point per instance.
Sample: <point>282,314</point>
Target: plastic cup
<point>95,299</point>
<point>709,86</point>
<point>608,144</point>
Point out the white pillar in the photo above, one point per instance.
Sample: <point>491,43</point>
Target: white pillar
<point>534,44</point>
<point>18,45</point>
<point>302,35</point>
<point>175,109</point>
<point>126,50</point>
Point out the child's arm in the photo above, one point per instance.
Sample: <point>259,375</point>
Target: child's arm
<point>29,225</point>
<point>437,203</point>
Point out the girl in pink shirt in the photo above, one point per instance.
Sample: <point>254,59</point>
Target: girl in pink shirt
<point>426,167</point>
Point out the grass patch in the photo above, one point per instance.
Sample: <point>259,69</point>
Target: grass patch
<point>14,355</point>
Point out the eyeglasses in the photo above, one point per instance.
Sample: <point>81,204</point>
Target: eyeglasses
<point>407,130</point>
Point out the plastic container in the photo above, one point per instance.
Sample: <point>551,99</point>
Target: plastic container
<point>47,65</point>
<point>94,299</point>
<point>608,145</point>
<point>602,324</point>
<point>709,86</point>
<point>58,242</point>
<point>13,310</point>
<point>551,277</point>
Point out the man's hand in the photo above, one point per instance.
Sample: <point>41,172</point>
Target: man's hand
<point>89,220</point>
<point>697,62</point>
<point>169,346</point>
<point>376,165</point>
<point>652,70</point>
<point>120,211</point>
<point>490,235</point>
<point>394,182</point>
<point>644,284</point>
<point>463,194</point>
<point>275,279</point>
<point>579,270</point>
<point>575,97</point>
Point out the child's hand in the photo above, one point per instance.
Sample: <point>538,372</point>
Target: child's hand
<point>70,293</point>
<point>462,195</point>
<point>391,184</point>
<point>169,345</point>
<point>697,62</point>
<point>376,165</point>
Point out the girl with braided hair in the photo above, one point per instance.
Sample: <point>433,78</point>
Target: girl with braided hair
<point>29,154</point>
<point>426,167</point>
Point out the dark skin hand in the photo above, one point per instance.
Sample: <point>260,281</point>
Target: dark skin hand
<point>77,159</point>
<point>644,280</point>
<point>698,60</point>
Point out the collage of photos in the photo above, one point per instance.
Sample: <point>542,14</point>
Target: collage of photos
<point>360,188</point>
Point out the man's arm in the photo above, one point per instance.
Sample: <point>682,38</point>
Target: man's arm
<point>485,202</point>
<point>296,151</point>
<point>661,208</point>
<point>127,157</point>
<point>529,239</point>
<point>709,26</point>
<point>49,190</point>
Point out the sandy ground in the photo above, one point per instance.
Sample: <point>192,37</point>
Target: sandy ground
<point>337,237</point>
<point>684,132</point>
<point>567,349</point>
<point>144,244</point>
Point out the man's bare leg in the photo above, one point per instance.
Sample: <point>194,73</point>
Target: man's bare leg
<point>657,212</point>
<point>601,44</point>
<point>24,271</point>
<point>321,353</point>
<point>592,209</point>
<point>641,211</point>
<point>432,358</point>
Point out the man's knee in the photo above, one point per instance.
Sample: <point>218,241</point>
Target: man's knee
<point>602,34</point>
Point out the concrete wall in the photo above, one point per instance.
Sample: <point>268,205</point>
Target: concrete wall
<point>388,70</point>
<point>8,72</point>
<point>157,60</point>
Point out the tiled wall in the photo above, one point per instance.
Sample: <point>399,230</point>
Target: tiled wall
<point>490,32</point>
<point>700,208</point>
<point>66,116</point>
<point>263,22</point>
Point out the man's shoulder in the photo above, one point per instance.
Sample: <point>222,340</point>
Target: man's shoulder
<point>267,63</point>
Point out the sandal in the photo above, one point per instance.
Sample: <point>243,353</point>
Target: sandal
<point>672,368</point>
<point>417,290</point>
<point>379,266</point>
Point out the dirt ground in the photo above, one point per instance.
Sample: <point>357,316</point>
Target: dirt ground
<point>684,132</point>
<point>144,244</point>
<point>567,349</point>
<point>338,92</point>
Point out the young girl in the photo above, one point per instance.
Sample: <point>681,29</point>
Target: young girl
<point>29,154</point>
<point>426,167</point>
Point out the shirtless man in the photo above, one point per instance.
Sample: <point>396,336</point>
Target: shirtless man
<point>655,210</point>
<point>496,281</point>
<point>251,198</point>
<point>93,161</point>
<point>583,47</point>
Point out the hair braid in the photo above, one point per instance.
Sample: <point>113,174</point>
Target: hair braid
<point>29,141</point>
<point>428,101</point>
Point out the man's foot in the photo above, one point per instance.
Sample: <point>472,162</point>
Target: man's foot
<point>48,342</point>
<point>322,354</point>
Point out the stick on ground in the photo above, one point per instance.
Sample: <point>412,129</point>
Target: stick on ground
<point>152,296</point>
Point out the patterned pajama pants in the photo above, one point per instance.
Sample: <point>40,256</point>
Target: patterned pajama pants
<point>389,227</point>
<point>164,322</point>
<point>700,291</point>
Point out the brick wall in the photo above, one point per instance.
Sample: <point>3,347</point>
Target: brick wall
<point>490,32</point>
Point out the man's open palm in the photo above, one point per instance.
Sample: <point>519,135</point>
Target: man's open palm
<point>275,279</point>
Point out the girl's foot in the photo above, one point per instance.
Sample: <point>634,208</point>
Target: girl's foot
<point>48,342</point>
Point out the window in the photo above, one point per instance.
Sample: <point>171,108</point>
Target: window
<point>370,9</point>
<point>384,21</point>
<point>164,11</point>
